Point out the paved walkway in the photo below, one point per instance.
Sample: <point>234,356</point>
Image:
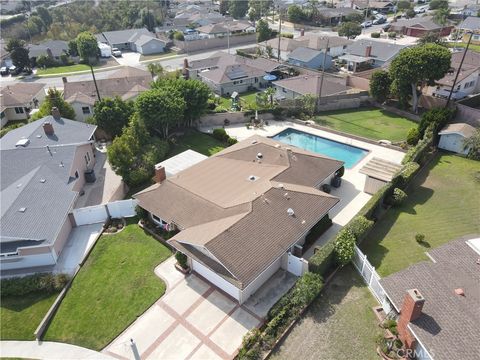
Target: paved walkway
<point>47,350</point>
<point>193,320</point>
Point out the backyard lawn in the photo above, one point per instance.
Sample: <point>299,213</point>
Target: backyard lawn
<point>247,100</point>
<point>340,324</point>
<point>197,141</point>
<point>114,287</point>
<point>372,123</point>
<point>443,203</point>
<point>22,314</point>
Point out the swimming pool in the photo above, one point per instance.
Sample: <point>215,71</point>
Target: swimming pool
<point>349,154</point>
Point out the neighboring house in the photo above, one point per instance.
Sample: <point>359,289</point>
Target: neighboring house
<point>471,10</point>
<point>453,136</point>
<point>43,170</point>
<point>298,86</point>
<point>199,17</point>
<point>309,58</point>
<point>469,25</point>
<point>438,302</point>
<point>468,80</point>
<point>18,99</point>
<point>222,29</point>
<point>226,74</point>
<point>380,6</point>
<point>127,83</point>
<point>420,26</point>
<point>5,59</point>
<point>365,53</point>
<point>138,40</point>
<point>335,45</point>
<point>333,16</point>
<point>51,48</point>
<point>241,212</point>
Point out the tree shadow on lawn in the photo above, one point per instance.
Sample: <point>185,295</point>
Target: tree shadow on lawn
<point>20,303</point>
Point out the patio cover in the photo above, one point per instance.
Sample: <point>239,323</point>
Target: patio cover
<point>182,161</point>
<point>380,169</point>
<point>354,58</point>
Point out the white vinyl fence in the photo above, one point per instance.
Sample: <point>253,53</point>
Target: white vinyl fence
<point>372,279</point>
<point>100,213</point>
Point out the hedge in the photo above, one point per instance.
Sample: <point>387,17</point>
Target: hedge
<point>48,283</point>
<point>323,258</point>
<point>370,208</point>
<point>418,152</point>
<point>359,226</point>
<point>317,230</point>
<point>403,177</point>
<point>281,315</point>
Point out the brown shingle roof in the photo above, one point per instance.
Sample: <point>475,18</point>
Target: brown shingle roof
<point>19,93</point>
<point>460,128</point>
<point>310,84</point>
<point>450,324</point>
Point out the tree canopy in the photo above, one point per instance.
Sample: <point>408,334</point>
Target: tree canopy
<point>54,98</point>
<point>263,31</point>
<point>295,14</point>
<point>87,47</point>
<point>18,53</point>
<point>418,66</point>
<point>438,4</point>
<point>112,115</point>
<point>258,8</point>
<point>349,29</point>
<point>380,85</point>
<point>472,144</point>
<point>238,9</point>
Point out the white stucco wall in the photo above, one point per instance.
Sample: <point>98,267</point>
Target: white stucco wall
<point>20,262</point>
<point>215,279</point>
<point>452,142</point>
<point>260,280</point>
<point>79,115</point>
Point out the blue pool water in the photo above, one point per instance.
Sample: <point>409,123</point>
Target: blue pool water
<point>350,155</point>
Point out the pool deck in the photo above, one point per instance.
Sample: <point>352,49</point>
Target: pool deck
<point>352,197</point>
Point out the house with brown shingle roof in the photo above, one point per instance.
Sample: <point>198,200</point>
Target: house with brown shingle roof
<point>241,212</point>
<point>126,83</point>
<point>17,100</point>
<point>299,86</point>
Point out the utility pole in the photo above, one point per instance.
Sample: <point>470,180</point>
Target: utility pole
<point>94,80</point>
<point>366,14</point>
<point>323,73</point>
<point>458,70</point>
<point>279,32</point>
<point>228,37</point>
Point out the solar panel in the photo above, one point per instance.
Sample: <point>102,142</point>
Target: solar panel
<point>236,73</point>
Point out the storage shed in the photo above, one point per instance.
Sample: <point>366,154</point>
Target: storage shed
<point>378,172</point>
<point>453,136</point>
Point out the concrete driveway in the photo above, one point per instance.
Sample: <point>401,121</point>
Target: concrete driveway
<point>193,320</point>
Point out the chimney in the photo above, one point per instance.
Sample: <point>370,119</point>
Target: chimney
<point>160,174</point>
<point>302,32</point>
<point>185,68</point>
<point>64,79</point>
<point>368,51</point>
<point>411,310</point>
<point>56,113</point>
<point>49,53</point>
<point>48,128</point>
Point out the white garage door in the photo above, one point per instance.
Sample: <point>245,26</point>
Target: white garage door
<point>90,215</point>
<point>216,279</point>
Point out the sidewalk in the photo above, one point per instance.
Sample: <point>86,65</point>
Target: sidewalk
<point>47,350</point>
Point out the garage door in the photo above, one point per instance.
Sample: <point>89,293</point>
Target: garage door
<point>90,215</point>
<point>216,279</point>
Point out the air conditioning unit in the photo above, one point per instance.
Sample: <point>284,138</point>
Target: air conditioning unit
<point>297,250</point>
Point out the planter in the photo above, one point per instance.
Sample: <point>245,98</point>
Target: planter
<point>181,269</point>
<point>386,357</point>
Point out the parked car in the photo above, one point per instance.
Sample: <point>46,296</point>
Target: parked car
<point>13,70</point>
<point>3,71</point>
<point>380,20</point>
<point>116,52</point>
<point>366,24</point>
<point>386,26</point>
<point>27,72</point>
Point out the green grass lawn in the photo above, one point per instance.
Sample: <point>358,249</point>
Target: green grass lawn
<point>152,58</point>
<point>340,324</point>
<point>63,69</point>
<point>472,47</point>
<point>21,315</point>
<point>247,100</point>
<point>114,287</point>
<point>12,125</point>
<point>197,141</point>
<point>372,123</point>
<point>443,203</point>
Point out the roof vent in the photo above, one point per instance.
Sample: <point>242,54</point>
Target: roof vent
<point>39,136</point>
<point>252,178</point>
<point>259,156</point>
<point>290,212</point>
<point>460,292</point>
<point>19,185</point>
<point>22,209</point>
<point>61,164</point>
<point>22,142</point>
<point>277,145</point>
<point>281,186</point>
<point>42,180</point>
<point>286,196</point>
<point>254,141</point>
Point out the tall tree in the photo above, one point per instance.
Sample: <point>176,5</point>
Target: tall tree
<point>72,48</point>
<point>54,98</point>
<point>263,31</point>
<point>147,19</point>
<point>156,69</point>
<point>18,53</point>
<point>419,66</point>
<point>160,109</point>
<point>238,9</point>
<point>44,14</point>
<point>404,5</point>
<point>87,47</point>
<point>224,6</point>
<point>472,144</point>
<point>350,30</point>
<point>295,14</point>
<point>258,8</point>
<point>112,115</point>
<point>380,85</point>
<point>438,4</point>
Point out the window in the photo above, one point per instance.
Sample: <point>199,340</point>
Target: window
<point>256,80</point>
<point>76,174</point>
<point>86,160</point>
<point>459,87</point>
<point>86,109</point>
<point>284,90</point>
<point>19,110</point>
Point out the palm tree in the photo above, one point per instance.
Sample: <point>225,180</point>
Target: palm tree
<point>269,92</point>
<point>155,69</point>
<point>440,17</point>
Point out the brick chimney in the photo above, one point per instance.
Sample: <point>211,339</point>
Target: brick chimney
<point>185,68</point>
<point>49,53</point>
<point>368,51</point>
<point>160,174</point>
<point>48,128</point>
<point>411,310</point>
<point>302,32</point>
<point>56,113</point>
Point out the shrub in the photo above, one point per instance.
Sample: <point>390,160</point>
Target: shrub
<point>323,259</point>
<point>181,259</point>
<point>344,247</point>
<point>375,35</point>
<point>220,134</point>
<point>287,35</point>
<point>231,141</point>
<point>177,35</point>
<point>403,177</point>
<point>46,62</point>
<point>419,238</point>
<point>413,136</point>
<point>340,172</point>
<point>317,230</point>
<point>398,197</point>
<point>419,151</point>
<point>48,283</point>
<point>435,118</point>
<point>141,212</point>
<point>391,325</point>
<point>359,226</point>
<point>392,34</point>
<point>370,208</point>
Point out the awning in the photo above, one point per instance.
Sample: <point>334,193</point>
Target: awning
<point>354,58</point>
<point>270,77</point>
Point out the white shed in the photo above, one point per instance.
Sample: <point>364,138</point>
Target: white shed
<point>452,137</point>
<point>180,162</point>
<point>105,50</point>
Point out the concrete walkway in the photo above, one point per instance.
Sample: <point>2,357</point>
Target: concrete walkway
<point>47,350</point>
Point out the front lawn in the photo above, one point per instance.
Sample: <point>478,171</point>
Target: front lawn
<point>197,141</point>
<point>443,203</point>
<point>63,69</point>
<point>340,324</point>
<point>371,123</point>
<point>114,287</point>
<point>21,315</point>
<point>472,47</point>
